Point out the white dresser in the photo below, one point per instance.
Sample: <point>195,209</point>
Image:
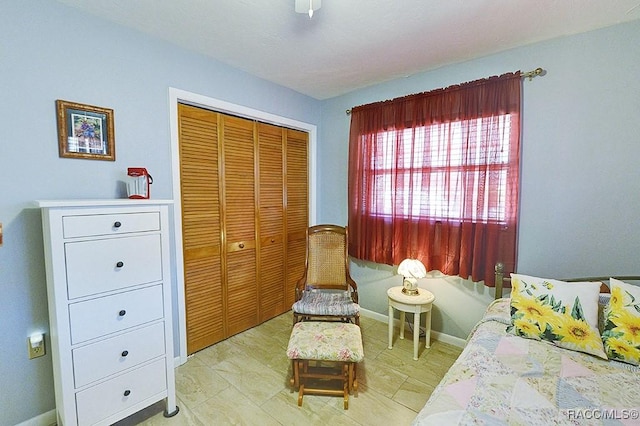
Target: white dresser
<point>109,290</point>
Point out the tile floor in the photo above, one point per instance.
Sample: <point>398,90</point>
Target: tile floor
<point>244,380</point>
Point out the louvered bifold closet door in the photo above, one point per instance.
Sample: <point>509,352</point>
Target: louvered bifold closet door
<point>201,237</point>
<point>271,284</point>
<point>297,202</point>
<point>239,206</point>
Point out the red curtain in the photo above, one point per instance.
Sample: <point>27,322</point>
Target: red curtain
<point>435,176</point>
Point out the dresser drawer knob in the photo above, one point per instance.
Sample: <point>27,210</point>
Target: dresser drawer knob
<point>127,392</point>
<point>122,313</point>
<point>125,353</point>
<point>117,224</point>
<point>273,240</point>
<point>120,264</point>
<point>241,245</point>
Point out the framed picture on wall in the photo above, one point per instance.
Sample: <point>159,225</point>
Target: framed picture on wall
<point>85,131</point>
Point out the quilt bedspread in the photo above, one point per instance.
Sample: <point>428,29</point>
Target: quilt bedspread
<point>502,379</point>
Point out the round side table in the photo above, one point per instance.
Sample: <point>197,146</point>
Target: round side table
<point>422,302</point>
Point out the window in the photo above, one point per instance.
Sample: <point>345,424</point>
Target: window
<point>435,176</point>
<point>432,171</point>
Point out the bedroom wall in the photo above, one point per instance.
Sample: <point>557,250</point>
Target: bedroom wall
<point>580,181</point>
<point>49,51</point>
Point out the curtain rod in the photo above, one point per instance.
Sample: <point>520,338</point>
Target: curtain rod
<point>529,74</point>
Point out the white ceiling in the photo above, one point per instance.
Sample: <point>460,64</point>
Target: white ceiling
<point>349,44</point>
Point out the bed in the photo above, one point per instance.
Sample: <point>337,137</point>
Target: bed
<point>504,376</point>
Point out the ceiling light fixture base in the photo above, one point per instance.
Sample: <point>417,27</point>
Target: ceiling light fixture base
<point>308,6</point>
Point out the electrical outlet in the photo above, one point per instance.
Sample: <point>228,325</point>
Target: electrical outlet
<point>36,351</point>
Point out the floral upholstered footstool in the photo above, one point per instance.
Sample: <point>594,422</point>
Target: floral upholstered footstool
<point>323,353</point>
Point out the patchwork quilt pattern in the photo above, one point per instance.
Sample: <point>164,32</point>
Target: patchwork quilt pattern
<point>503,379</point>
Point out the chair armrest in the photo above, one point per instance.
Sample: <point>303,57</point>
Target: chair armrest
<point>354,289</point>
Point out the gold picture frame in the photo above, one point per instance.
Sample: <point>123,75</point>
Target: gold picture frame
<point>85,131</point>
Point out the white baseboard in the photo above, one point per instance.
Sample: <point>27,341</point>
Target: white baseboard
<point>435,335</point>
<point>46,419</point>
<point>447,338</point>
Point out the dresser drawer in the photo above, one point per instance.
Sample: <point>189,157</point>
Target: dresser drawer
<point>110,356</point>
<point>109,224</point>
<point>98,266</point>
<point>96,317</point>
<point>106,399</point>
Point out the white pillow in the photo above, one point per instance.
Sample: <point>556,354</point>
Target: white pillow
<point>565,314</point>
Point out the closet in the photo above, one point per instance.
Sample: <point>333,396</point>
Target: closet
<point>244,193</point>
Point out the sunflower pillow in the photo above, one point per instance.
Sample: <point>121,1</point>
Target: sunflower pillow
<point>565,314</point>
<point>621,334</point>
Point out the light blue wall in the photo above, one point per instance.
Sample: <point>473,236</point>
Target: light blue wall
<point>580,194</point>
<point>47,52</point>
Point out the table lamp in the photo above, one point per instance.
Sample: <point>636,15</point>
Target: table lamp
<point>411,270</point>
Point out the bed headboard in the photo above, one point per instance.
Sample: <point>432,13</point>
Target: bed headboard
<point>501,280</point>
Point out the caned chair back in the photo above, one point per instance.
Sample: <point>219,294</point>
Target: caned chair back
<point>327,257</point>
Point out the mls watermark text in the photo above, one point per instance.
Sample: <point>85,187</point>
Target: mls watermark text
<point>602,414</point>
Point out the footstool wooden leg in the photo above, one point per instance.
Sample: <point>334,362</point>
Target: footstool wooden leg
<point>355,379</point>
<point>300,395</point>
<point>350,377</point>
<point>346,396</point>
<point>295,381</point>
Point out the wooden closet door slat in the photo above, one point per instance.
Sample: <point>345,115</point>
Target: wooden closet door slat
<point>239,206</point>
<point>272,285</point>
<point>198,144</point>
<point>297,211</point>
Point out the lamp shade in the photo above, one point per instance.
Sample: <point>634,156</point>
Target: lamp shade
<point>412,268</point>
